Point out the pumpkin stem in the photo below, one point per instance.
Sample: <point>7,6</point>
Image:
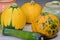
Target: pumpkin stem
<point>14,5</point>
<point>32,2</point>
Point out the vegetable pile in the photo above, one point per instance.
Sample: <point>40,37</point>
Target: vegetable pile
<point>14,19</point>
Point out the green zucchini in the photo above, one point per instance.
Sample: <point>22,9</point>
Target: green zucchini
<point>22,34</point>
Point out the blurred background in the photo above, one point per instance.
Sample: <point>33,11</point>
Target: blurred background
<point>41,2</point>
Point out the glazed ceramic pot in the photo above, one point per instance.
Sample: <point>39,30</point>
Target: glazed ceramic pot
<point>52,7</point>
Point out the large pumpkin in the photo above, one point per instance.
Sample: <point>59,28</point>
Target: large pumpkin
<point>46,24</point>
<point>13,17</point>
<point>31,10</point>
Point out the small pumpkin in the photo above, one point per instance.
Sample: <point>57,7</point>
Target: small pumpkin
<point>46,24</point>
<point>12,17</point>
<point>31,10</point>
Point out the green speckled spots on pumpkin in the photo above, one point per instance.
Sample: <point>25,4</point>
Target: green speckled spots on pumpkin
<point>52,23</point>
<point>50,20</point>
<point>44,14</point>
<point>54,32</point>
<point>49,31</point>
<point>43,25</point>
<point>53,26</point>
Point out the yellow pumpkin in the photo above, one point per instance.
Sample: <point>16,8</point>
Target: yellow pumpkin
<point>13,17</point>
<point>31,10</point>
<point>46,24</point>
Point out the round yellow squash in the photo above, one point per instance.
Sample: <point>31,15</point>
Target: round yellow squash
<point>13,17</point>
<point>31,10</point>
<point>46,24</point>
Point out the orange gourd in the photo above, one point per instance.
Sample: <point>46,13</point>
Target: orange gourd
<point>46,24</point>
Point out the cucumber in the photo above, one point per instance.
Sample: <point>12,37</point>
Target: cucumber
<point>22,34</point>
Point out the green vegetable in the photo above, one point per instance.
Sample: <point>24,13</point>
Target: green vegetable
<point>21,34</point>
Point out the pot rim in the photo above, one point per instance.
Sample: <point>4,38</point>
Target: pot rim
<point>7,1</point>
<point>53,6</point>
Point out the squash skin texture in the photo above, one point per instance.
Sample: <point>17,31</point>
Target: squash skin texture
<point>42,26</point>
<point>31,11</point>
<point>13,18</point>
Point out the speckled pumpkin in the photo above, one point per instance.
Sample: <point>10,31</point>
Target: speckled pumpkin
<point>31,10</point>
<point>13,18</point>
<point>46,24</point>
